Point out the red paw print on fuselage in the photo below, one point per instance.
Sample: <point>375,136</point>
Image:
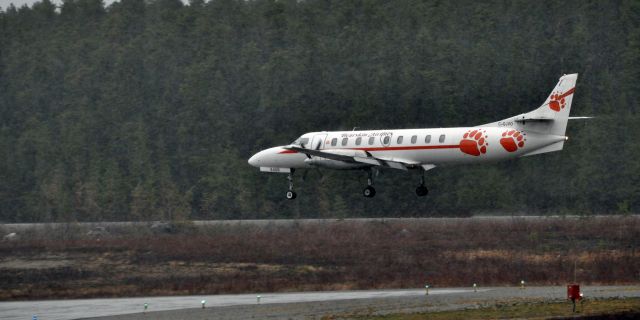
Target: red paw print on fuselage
<point>474,142</point>
<point>512,140</point>
<point>557,101</point>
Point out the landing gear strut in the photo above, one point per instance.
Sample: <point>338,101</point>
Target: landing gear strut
<point>421,190</point>
<point>369,191</point>
<point>291,194</point>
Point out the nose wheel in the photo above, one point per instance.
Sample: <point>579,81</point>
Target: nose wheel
<point>369,191</point>
<point>421,190</point>
<point>291,194</point>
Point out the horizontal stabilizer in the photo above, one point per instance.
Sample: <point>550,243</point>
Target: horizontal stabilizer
<point>550,148</point>
<point>524,118</point>
<point>580,118</point>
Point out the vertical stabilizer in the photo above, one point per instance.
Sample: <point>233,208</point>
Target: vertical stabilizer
<point>552,116</point>
<point>558,104</point>
<point>550,119</point>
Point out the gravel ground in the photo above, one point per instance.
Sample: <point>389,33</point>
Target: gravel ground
<point>398,304</point>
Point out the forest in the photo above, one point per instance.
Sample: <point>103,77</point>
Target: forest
<point>149,110</point>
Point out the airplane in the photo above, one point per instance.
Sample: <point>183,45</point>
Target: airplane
<point>539,131</point>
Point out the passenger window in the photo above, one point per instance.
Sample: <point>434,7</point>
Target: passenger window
<point>358,141</point>
<point>386,140</point>
<point>304,141</point>
<point>399,141</point>
<point>344,141</point>
<point>427,139</point>
<point>371,140</point>
<point>414,139</point>
<point>441,138</point>
<point>334,141</point>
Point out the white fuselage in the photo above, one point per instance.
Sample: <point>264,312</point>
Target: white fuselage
<point>414,146</point>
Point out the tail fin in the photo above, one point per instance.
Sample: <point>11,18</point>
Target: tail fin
<point>550,119</point>
<point>552,116</point>
<point>558,105</point>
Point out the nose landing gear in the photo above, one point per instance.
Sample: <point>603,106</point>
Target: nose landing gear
<point>369,191</point>
<point>291,194</point>
<point>421,190</point>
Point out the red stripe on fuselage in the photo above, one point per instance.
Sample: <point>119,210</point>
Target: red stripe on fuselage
<point>408,148</point>
<point>456,146</point>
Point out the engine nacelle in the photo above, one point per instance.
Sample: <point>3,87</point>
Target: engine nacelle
<point>334,164</point>
<point>337,164</point>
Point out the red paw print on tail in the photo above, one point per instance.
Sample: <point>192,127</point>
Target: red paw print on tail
<point>474,142</point>
<point>512,140</point>
<point>557,101</point>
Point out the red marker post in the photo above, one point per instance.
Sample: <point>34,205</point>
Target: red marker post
<point>573,294</point>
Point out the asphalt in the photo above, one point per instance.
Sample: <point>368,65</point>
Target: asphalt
<point>304,305</point>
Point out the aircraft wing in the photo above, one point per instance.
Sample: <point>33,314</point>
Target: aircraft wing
<point>322,154</point>
<point>361,157</point>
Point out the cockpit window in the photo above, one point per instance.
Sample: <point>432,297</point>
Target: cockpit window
<point>301,141</point>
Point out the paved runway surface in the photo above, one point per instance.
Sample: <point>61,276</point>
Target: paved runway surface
<point>73,309</point>
<point>293,305</point>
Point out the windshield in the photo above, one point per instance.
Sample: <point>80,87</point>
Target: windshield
<point>302,141</point>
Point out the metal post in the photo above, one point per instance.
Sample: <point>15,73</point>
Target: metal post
<point>475,287</point>
<point>427,289</point>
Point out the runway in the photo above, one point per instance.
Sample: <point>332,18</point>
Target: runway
<point>303,305</point>
<point>84,308</point>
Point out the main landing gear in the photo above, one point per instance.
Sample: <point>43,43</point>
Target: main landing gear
<point>291,194</point>
<point>369,191</point>
<point>421,190</point>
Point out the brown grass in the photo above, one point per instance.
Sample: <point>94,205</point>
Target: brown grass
<point>329,256</point>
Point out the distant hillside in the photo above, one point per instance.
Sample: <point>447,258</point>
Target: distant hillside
<point>150,109</point>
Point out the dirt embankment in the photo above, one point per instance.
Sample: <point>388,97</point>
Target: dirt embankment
<point>79,261</point>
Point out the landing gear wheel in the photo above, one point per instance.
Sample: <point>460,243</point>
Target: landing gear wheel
<point>422,191</point>
<point>291,194</point>
<point>369,192</point>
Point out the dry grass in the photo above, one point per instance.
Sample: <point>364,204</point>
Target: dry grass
<point>594,309</point>
<point>342,255</point>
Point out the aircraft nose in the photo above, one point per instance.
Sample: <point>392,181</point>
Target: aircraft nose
<point>255,159</point>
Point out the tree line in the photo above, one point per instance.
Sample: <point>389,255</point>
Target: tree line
<point>150,109</point>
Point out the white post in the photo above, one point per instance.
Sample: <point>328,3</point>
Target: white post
<point>426,287</point>
<point>521,284</point>
<point>203,302</point>
<point>258,298</point>
<point>475,287</point>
